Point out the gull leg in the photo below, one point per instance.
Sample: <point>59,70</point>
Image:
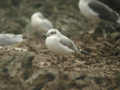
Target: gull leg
<point>104,33</point>
<point>92,28</point>
<point>93,25</point>
<point>60,62</point>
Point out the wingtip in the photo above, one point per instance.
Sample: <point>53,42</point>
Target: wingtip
<point>118,21</point>
<point>84,52</point>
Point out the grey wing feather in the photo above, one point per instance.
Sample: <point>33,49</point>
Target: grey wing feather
<point>69,43</point>
<point>104,12</point>
<point>47,24</point>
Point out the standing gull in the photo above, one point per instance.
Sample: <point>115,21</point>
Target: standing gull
<point>38,26</point>
<point>60,44</point>
<point>40,23</point>
<point>96,11</point>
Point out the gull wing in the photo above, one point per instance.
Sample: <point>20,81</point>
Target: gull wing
<point>104,12</point>
<point>46,24</point>
<point>68,43</point>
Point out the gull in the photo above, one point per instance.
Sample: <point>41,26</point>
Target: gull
<point>36,29</point>
<point>60,44</point>
<point>38,25</point>
<point>96,11</point>
<point>10,39</point>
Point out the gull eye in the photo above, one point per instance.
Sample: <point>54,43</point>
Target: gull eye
<point>53,32</point>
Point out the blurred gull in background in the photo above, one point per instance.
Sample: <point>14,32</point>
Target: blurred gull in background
<point>10,39</point>
<point>38,26</point>
<point>39,22</point>
<point>95,11</point>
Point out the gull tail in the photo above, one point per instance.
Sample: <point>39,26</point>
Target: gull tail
<point>84,52</point>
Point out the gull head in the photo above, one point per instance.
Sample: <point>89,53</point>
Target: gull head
<point>37,15</point>
<point>52,32</point>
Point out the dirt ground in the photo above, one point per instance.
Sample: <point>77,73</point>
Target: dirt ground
<point>40,69</point>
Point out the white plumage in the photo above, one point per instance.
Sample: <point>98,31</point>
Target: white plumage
<point>9,39</point>
<point>86,10</point>
<point>40,23</point>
